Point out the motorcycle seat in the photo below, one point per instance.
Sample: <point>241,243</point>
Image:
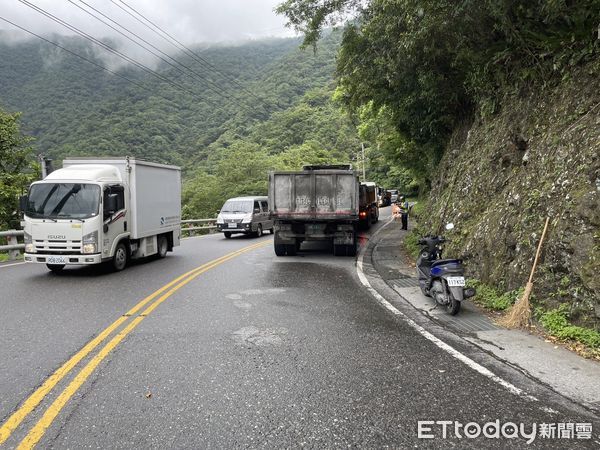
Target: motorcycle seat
<point>441,262</point>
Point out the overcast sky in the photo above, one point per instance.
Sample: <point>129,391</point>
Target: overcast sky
<point>190,21</point>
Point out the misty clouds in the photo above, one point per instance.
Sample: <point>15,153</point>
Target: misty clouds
<point>189,21</point>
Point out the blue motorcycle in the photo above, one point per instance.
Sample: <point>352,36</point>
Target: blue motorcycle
<point>441,279</point>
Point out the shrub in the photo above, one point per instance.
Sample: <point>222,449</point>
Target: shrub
<point>490,298</point>
<point>556,322</point>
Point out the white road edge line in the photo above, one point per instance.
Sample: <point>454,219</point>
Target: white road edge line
<point>13,264</point>
<point>427,335</point>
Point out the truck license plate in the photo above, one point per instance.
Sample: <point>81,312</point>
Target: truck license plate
<point>56,260</point>
<point>232,225</point>
<point>456,281</point>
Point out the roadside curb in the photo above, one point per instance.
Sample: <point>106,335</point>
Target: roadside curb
<point>477,355</point>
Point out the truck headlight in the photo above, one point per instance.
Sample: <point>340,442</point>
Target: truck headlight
<point>29,247</point>
<point>219,219</point>
<point>90,243</point>
<point>247,219</point>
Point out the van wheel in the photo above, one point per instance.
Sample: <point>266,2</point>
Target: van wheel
<point>55,268</point>
<point>163,246</point>
<point>259,230</point>
<point>227,235</point>
<point>119,260</point>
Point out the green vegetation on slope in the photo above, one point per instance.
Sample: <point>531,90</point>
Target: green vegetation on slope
<point>17,169</point>
<point>424,67</point>
<point>226,146</point>
<point>74,108</point>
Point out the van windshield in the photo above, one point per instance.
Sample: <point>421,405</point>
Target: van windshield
<point>237,206</point>
<point>63,201</point>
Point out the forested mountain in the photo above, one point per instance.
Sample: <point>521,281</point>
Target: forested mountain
<point>72,107</point>
<point>277,112</point>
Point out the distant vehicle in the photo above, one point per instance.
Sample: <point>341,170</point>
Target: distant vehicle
<point>247,215</point>
<point>102,210</point>
<point>385,198</point>
<point>316,203</point>
<point>369,211</point>
<point>393,195</point>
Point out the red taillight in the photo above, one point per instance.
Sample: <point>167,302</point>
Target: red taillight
<point>363,214</point>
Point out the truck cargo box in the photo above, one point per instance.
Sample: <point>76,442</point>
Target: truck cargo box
<point>155,191</point>
<point>316,194</point>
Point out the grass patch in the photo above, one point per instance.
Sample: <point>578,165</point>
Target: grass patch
<point>4,257</point>
<point>417,209</point>
<point>491,298</point>
<point>411,243</point>
<point>556,322</point>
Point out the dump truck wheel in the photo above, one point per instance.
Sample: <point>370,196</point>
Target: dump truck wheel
<point>291,249</point>
<point>279,249</point>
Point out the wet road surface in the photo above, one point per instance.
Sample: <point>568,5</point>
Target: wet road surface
<point>257,351</point>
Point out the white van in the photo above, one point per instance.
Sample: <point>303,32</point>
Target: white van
<point>247,215</point>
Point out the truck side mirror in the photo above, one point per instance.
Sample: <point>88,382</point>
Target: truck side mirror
<point>23,203</point>
<point>256,210</point>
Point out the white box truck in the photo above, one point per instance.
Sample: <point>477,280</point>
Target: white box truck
<point>102,210</point>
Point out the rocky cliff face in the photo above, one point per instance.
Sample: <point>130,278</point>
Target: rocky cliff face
<point>501,176</point>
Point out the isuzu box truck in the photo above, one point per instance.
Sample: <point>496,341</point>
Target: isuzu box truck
<point>102,210</point>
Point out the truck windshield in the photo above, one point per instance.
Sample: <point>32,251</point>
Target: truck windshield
<point>237,206</point>
<point>63,200</point>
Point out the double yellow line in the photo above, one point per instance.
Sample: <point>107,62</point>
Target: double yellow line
<point>37,432</point>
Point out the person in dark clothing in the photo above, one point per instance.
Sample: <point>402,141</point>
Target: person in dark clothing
<point>404,207</point>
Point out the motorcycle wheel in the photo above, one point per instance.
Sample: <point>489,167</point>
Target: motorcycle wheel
<point>453,307</point>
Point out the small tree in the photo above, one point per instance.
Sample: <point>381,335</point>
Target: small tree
<point>17,167</point>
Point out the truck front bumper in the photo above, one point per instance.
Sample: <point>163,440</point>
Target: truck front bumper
<point>41,258</point>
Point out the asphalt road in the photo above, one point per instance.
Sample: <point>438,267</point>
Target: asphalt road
<point>257,351</point>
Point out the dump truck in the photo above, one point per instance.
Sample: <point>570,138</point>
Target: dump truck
<point>109,210</point>
<point>316,203</point>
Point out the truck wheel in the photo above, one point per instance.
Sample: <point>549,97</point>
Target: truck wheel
<point>259,231</point>
<point>55,268</point>
<point>291,249</point>
<point>279,249</point>
<point>119,260</point>
<point>351,249</point>
<point>227,234</point>
<point>163,246</point>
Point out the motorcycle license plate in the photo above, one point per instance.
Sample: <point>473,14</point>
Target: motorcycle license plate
<point>456,281</point>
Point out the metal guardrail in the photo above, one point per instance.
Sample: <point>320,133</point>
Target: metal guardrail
<point>188,225</point>
<point>14,248</point>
